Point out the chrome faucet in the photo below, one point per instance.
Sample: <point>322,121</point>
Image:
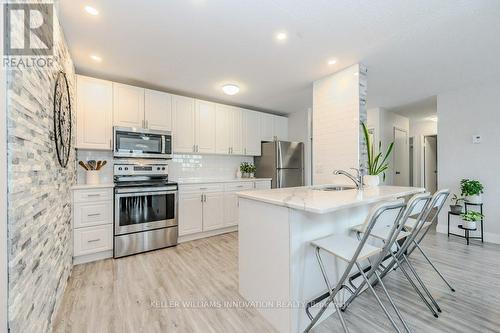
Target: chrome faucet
<point>358,180</point>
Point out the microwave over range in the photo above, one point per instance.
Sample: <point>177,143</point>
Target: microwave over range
<point>141,143</point>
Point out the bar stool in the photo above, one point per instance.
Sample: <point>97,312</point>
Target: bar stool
<point>430,217</point>
<point>353,252</point>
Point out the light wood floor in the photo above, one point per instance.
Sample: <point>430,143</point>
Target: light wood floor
<point>132,294</point>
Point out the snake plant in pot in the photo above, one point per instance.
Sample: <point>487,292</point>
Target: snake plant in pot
<point>472,190</point>
<point>377,162</point>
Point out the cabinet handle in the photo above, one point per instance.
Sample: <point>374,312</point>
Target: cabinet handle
<point>93,240</point>
<point>110,144</point>
<point>194,149</point>
<point>93,195</point>
<point>147,123</point>
<point>95,214</point>
<point>239,186</point>
<point>204,198</point>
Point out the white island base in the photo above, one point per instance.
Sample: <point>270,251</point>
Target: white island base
<point>278,271</point>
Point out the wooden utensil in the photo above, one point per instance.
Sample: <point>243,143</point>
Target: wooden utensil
<point>98,166</point>
<point>103,163</point>
<point>83,165</point>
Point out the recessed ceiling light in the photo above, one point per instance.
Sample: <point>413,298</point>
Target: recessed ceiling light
<point>355,73</point>
<point>230,89</point>
<point>332,62</point>
<point>281,36</point>
<point>91,10</point>
<point>95,58</point>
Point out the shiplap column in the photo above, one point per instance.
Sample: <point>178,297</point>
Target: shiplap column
<point>339,105</point>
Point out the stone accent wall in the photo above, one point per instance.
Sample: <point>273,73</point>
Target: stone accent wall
<point>363,117</point>
<point>39,198</point>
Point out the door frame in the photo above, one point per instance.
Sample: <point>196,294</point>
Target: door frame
<point>394,154</point>
<point>423,168</point>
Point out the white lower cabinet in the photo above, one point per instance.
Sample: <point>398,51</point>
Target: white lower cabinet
<point>92,224</point>
<point>262,185</point>
<point>208,209</point>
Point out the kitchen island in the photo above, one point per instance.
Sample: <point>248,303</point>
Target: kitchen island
<point>278,271</point>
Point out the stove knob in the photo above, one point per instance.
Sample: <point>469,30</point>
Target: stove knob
<point>163,168</point>
<point>126,168</point>
<point>158,168</point>
<point>119,168</point>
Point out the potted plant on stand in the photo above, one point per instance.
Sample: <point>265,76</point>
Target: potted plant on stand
<point>470,219</point>
<point>471,190</point>
<point>456,208</point>
<point>377,163</point>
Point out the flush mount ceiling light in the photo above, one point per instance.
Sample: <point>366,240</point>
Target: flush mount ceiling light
<point>230,89</point>
<point>95,58</point>
<point>332,62</point>
<point>91,10</point>
<point>281,36</point>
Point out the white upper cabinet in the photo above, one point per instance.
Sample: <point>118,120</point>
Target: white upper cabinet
<point>94,112</point>
<point>222,129</point>
<point>183,124</point>
<point>128,106</point>
<point>251,133</point>
<point>266,127</point>
<point>157,110</point>
<point>280,128</point>
<point>205,120</point>
<point>236,127</point>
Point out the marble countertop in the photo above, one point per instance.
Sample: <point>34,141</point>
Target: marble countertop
<point>88,187</point>
<point>311,199</point>
<point>217,180</point>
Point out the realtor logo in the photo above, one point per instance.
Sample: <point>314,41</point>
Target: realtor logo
<point>29,29</point>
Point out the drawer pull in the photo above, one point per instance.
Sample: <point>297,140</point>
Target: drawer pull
<point>91,215</point>
<point>93,195</point>
<point>93,240</point>
<point>239,186</point>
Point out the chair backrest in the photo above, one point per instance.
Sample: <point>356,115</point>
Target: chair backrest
<point>437,202</point>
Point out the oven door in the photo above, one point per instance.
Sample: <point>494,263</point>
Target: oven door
<point>142,143</point>
<point>140,209</point>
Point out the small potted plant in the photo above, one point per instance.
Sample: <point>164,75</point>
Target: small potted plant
<point>471,190</point>
<point>377,163</point>
<point>244,169</point>
<point>456,208</point>
<point>470,219</point>
<point>251,170</point>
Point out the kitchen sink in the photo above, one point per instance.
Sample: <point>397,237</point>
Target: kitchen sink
<point>335,188</point>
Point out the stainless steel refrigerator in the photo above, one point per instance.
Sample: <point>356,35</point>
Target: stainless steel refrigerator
<point>282,161</point>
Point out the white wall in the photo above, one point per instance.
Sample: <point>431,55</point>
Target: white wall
<point>462,114</point>
<point>419,129</point>
<point>383,123</point>
<point>299,130</point>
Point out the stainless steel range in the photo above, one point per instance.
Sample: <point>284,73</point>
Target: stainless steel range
<point>145,216</point>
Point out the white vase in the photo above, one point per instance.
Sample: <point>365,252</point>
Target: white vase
<point>371,180</point>
<point>469,224</point>
<point>474,199</point>
<point>92,177</point>
<point>252,175</point>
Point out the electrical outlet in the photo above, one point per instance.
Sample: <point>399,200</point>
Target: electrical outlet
<point>476,138</point>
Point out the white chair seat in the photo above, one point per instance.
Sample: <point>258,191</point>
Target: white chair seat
<point>344,247</point>
<point>410,224</point>
<point>380,232</point>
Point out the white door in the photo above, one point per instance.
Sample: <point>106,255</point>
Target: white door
<point>222,129</point>
<point>230,209</point>
<point>251,133</point>
<point>190,213</point>
<point>128,106</point>
<point>183,124</point>
<point>205,127</point>
<point>401,158</point>
<point>266,126</point>
<point>280,127</point>
<point>430,163</point>
<point>94,113</point>
<point>236,127</point>
<point>213,211</point>
<point>158,110</point>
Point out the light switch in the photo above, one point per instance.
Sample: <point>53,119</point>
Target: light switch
<point>476,138</point>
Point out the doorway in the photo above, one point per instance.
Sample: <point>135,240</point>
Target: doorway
<point>401,158</point>
<point>430,163</point>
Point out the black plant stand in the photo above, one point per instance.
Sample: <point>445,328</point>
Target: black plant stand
<point>467,231</point>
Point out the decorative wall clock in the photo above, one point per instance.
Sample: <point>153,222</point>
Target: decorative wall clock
<point>62,119</point>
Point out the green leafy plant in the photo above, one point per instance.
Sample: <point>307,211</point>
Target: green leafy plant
<point>244,167</point>
<point>251,168</point>
<point>472,216</point>
<point>457,199</point>
<point>471,187</point>
<point>377,162</point>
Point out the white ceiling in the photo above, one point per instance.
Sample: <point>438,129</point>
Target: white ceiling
<point>424,109</point>
<point>412,48</point>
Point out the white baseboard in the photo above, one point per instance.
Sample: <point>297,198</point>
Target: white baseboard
<point>199,235</point>
<point>489,237</point>
<point>92,257</point>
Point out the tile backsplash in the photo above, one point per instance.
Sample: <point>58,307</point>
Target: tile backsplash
<point>181,166</point>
